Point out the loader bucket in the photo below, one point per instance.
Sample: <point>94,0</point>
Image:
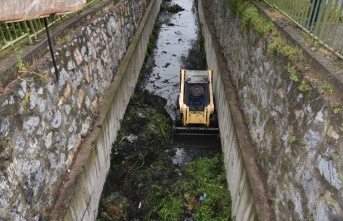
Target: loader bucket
<point>197,137</point>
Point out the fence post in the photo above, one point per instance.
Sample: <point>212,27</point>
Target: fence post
<point>3,36</point>
<point>28,32</point>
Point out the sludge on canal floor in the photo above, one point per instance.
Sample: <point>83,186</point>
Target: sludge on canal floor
<point>145,184</point>
<point>150,178</point>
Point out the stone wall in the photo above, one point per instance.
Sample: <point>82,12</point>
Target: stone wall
<point>297,135</point>
<point>45,123</point>
<point>245,181</point>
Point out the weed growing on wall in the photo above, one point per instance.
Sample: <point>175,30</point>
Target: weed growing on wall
<point>252,18</point>
<point>292,71</point>
<point>202,44</point>
<point>336,110</point>
<point>26,101</point>
<point>223,12</point>
<point>278,45</point>
<point>292,139</point>
<point>303,87</point>
<point>152,39</point>
<point>20,65</point>
<point>234,7</point>
<point>326,88</point>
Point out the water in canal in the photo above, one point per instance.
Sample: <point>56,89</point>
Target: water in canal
<point>150,177</point>
<point>178,46</point>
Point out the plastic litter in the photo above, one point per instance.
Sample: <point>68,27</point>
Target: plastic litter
<point>202,197</point>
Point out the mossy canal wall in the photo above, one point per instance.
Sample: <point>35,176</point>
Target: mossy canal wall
<point>245,181</point>
<point>290,98</point>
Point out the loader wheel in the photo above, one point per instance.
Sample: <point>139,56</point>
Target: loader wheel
<point>178,120</point>
<point>214,120</point>
<point>178,116</point>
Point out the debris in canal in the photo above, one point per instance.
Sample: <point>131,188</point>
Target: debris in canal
<point>175,8</point>
<point>145,184</point>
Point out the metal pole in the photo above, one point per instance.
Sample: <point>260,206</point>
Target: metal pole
<point>50,46</point>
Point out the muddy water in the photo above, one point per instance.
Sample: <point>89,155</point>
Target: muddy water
<point>178,46</point>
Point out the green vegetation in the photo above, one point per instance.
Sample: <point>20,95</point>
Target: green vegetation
<point>340,177</point>
<point>341,127</point>
<point>144,184</point>
<point>223,11</point>
<point>152,38</point>
<point>290,52</point>
<point>304,87</point>
<point>117,206</point>
<point>337,157</point>
<point>252,18</point>
<point>202,44</point>
<point>302,143</point>
<point>233,7</point>
<point>332,203</point>
<point>19,64</point>
<point>202,178</point>
<point>42,77</point>
<point>273,47</point>
<point>292,139</point>
<point>334,15</point>
<point>336,110</point>
<point>263,26</point>
<point>293,73</point>
<point>326,88</point>
<point>26,101</point>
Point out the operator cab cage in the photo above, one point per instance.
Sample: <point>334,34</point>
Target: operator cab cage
<point>193,77</point>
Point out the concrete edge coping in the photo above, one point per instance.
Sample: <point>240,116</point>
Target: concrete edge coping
<point>255,175</point>
<point>30,53</point>
<point>81,156</point>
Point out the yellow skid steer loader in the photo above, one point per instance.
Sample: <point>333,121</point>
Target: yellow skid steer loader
<point>196,103</point>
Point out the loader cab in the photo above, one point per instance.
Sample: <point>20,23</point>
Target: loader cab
<point>196,102</point>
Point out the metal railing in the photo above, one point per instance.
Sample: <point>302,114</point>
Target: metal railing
<point>27,31</point>
<point>320,19</point>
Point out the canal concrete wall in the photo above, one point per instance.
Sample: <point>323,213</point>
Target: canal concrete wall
<point>56,136</point>
<point>293,113</point>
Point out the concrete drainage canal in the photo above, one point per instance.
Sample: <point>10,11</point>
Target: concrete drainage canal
<point>153,177</point>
